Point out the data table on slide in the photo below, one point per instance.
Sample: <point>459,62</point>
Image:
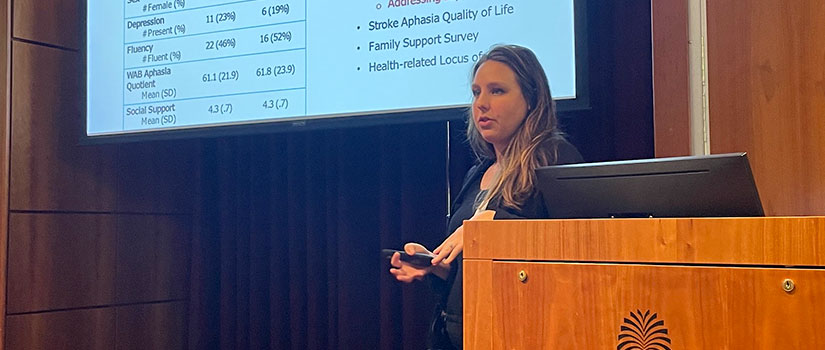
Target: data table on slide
<point>193,58</point>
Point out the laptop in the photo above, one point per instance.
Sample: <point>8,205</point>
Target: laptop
<point>698,186</point>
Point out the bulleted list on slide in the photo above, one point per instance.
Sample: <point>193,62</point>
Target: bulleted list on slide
<point>407,54</point>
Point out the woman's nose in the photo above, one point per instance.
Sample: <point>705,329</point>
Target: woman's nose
<point>481,103</point>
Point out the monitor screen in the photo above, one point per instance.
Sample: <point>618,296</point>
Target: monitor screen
<point>699,186</point>
<point>154,65</point>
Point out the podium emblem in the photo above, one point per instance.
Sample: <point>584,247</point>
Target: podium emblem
<point>643,331</point>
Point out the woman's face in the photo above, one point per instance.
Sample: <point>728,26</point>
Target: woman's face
<point>499,106</point>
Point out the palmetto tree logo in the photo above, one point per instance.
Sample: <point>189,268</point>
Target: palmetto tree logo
<point>643,332</point>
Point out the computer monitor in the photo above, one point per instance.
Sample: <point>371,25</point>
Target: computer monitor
<point>698,186</point>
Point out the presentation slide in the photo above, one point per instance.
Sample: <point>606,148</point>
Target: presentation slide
<point>165,64</point>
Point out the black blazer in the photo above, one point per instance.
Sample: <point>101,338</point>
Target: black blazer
<point>449,310</point>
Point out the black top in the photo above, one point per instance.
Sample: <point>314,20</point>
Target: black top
<point>449,292</point>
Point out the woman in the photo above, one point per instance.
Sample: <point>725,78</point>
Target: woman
<point>513,130</point>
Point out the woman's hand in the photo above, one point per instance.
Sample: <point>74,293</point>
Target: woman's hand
<point>454,245</point>
<point>407,273</point>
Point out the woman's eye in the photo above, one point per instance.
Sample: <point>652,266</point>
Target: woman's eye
<point>476,93</point>
<point>497,91</point>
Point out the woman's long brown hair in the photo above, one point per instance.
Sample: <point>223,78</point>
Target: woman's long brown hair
<point>534,143</point>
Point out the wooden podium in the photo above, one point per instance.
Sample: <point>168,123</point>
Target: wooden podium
<point>696,283</point>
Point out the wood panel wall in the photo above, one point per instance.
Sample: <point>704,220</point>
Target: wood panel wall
<point>766,65</point>
<point>5,129</point>
<point>671,85</point>
<point>98,235</point>
<point>766,82</point>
